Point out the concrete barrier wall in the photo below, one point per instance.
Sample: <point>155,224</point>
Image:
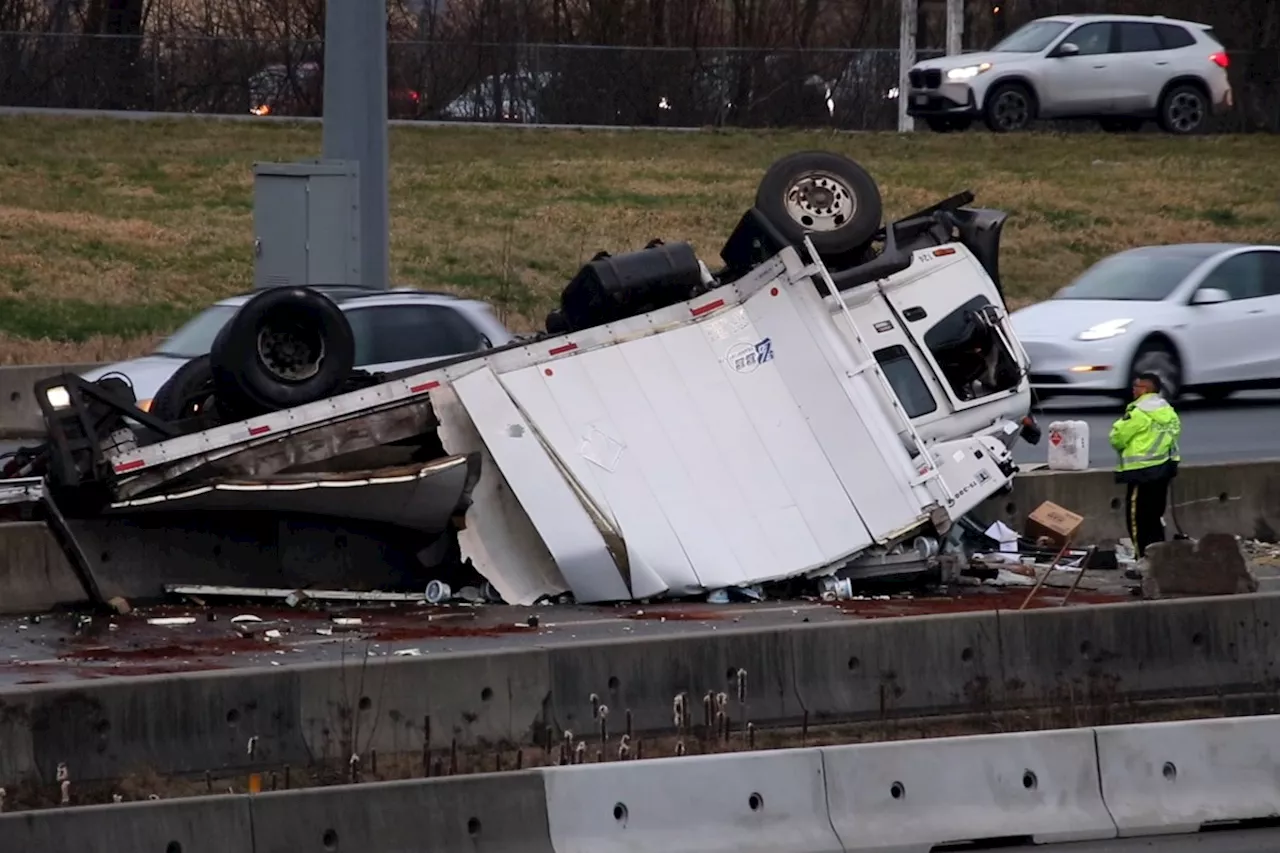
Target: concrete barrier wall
<point>1239,498</point>
<point>1058,667</point>
<point>19,412</point>
<point>908,797</point>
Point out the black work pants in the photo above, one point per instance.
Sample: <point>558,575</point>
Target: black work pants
<point>1144,506</point>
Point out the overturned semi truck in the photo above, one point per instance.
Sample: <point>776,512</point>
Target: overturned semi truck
<point>831,400</point>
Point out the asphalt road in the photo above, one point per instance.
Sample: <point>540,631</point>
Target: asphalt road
<point>1239,430</point>
<point>1216,841</point>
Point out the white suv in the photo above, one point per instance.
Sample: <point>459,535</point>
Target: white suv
<point>1121,70</point>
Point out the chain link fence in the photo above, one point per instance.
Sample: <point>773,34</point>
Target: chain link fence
<point>529,83</point>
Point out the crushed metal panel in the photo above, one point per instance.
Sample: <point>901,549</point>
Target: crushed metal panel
<point>418,497</point>
<point>592,432</point>
<point>845,412</point>
<point>590,453</point>
<point>570,533</point>
<point>499,539</point>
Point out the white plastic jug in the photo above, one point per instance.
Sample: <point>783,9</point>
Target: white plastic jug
<point>1069,446</point>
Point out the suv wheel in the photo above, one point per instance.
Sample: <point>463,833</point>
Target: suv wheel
<point>1157,358</point>
<point>1183,109</point>
<point>1010,107</point>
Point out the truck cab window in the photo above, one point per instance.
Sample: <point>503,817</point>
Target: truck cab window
<point>971,355</point>
<point>905,379</point>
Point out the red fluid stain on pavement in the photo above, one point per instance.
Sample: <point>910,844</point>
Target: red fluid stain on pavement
<point>674,615</point>
<point>427,632</point>
<point>1008,599</point>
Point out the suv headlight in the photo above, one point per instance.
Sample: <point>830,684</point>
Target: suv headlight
<point>968,72</point>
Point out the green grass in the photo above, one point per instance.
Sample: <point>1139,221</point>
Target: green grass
<point>112,232</point>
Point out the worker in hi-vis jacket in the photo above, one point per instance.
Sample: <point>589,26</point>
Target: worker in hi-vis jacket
<point>1146,440</point>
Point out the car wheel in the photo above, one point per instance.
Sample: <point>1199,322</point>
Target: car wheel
<point>1183,110</point>
<point>285,347</point>
<point>1157,358</point>
<point>1010,107</point>
<point>947,124</point>
<point>826,196</point>
<point>187,393</point>
<point>1121,125</point>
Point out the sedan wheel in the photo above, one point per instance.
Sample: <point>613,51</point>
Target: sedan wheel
<point>1163,363</point>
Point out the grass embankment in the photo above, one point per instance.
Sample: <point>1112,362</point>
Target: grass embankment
<point>113,232</point>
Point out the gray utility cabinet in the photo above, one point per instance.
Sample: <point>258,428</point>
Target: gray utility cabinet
<point>306,223</point>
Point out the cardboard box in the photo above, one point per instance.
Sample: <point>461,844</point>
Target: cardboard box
<point>1058,524</point>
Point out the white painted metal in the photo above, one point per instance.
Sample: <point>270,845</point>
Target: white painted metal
<point>573,536</point>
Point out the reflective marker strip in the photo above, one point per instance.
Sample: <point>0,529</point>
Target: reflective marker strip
<point>703,309</point>
<point>259,430</point>
<point>561,350</point>
<point>425,386</point>
<point>129,466</point>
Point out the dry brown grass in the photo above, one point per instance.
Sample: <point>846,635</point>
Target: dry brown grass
<point>112,232</point>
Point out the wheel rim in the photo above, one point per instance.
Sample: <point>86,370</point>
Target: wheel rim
<point>820,201</point>
<point>1011,110</point>
<point>1186,111</point>
<point>1162,365</point>
<point>291,352</point>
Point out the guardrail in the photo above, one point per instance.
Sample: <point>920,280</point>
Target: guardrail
<point>1048,787</point>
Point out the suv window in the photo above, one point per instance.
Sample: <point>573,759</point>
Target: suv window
<point>905,379</point>
<point>970,353</point>
<point>388,333</point>
<point>1137,38</point>
<point>1173,37</point>
<point>1092,39</point>
<point>1240,275</point>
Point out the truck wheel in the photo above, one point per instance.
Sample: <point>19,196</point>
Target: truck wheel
<point>824,195</point>
<point>285,347</point>
<point>187,393</point>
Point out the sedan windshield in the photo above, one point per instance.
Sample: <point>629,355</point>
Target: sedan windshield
<point>1134,276</point>
<point>1031,38</point>
<point>196,337</point>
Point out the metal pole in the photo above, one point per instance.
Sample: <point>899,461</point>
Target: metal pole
<point>955,27</point>
<point>906,59</point>
<point>355,119</point>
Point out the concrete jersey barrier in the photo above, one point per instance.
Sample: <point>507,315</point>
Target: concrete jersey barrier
<point>1057,666</point>
<point>19,413</point>
<point>908,797</point>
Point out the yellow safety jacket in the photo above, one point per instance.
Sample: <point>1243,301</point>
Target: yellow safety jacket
<point>1146,440</point>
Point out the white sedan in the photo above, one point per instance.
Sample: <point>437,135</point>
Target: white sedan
<point>1204,317</point>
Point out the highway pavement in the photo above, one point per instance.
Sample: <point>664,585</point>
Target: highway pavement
<point>1259,840</point>
<point>1242,429</point>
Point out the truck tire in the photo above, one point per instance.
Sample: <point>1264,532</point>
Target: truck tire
<point>187,393</point>
<point>286,347</point>
<point>827,196</point>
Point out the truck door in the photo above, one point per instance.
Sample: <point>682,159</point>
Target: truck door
<point>952,315</point>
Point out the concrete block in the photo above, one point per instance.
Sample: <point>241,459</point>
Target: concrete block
<point>1163,778</point>
<point>771,802</point>
<point>19,412</point>
<point>886,668</point>
<point>1213,565</point>
<point>1069,660</point>
<point>502,813</point>
<point>909,796</point>
<point>478,699</point>
<point>646,676</point>
<point>218,824</point>
<point>181,723</point>
<point>35,574</point>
